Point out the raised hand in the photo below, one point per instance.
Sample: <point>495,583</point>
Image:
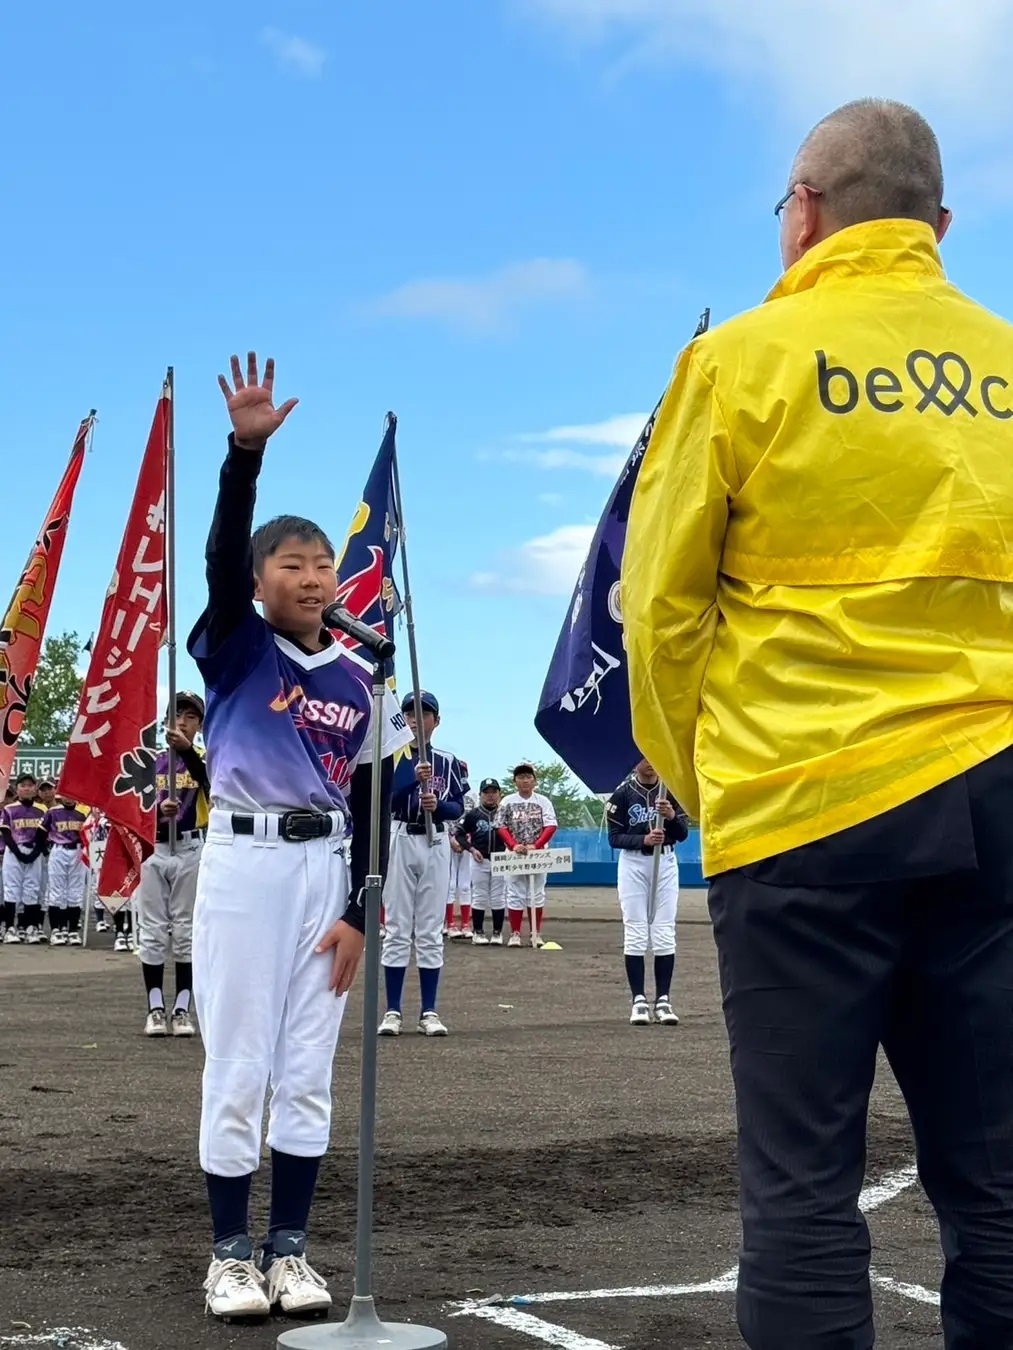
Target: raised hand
<point>251,404</point>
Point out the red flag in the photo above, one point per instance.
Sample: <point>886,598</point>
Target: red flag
<point>110,760</point>
<point>24,624</point>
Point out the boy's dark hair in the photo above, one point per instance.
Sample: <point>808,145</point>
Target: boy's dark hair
<point>267,539</point>
<point>27,778</point>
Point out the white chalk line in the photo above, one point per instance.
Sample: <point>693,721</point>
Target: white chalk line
<point>63,1338</point>
<point>505,1312</point>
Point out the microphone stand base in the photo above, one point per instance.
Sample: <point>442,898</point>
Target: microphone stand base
<point>362,1330</point>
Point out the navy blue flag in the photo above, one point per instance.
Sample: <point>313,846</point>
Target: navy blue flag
<point>365,566</point>
<point>584,708</point>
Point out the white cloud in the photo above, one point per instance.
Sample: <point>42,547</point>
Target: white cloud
<point>294,54</point>
<point>490,303</point>
<point>561,457</point>
<point>546,565</point>
<point>551,498</point>
<point>811,56</point>
<point>621,430</point>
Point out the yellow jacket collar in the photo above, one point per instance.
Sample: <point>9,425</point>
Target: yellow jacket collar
<point>875,248</point>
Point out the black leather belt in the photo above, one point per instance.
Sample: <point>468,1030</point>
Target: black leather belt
<point>66,844</point>
<point>412,827</point>
<point>182,836</point>
<point>295,827</point>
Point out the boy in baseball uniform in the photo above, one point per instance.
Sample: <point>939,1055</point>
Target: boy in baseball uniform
<point>68,873</point>
<point>168,889</point>
<point>526,821</point>
<point>277,933</point>
<point>459,890</point>
<point>477,833</point>
<point>640,820</point>
<point>24,825</point>
<point>415,892</point>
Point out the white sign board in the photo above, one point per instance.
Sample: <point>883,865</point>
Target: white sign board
<point>538,862</point>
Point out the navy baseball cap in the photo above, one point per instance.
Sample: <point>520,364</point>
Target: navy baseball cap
<point>186,699</point>
<point>427,700</point>
<point>488,784</point>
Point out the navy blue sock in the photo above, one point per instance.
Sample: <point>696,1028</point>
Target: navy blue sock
<point>393,978</point>
<point>635,975</point>
<point>428,983</point>
<point>229,1198</point>
<point>664,969</point>
<point>293,1181</point>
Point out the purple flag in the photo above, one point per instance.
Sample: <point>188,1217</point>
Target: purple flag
<point>584,708</point>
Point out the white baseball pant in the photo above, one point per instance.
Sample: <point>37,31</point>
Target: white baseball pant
<point>488,891</point>
<point>165,901</point>
<point>415,898</point>
<point>526,890</point>
<point>68,877</point>
<point>22,881</point>
<point>459,887</point>
<point>635,871</point>
<point>44,880</point>
<point>260,991</point>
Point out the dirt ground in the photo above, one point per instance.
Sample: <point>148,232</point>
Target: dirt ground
<point>545,1147</point>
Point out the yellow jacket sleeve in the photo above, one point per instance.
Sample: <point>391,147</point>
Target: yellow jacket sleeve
<point>671,559</point>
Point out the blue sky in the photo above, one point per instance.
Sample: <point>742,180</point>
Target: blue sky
<point>500,219</point>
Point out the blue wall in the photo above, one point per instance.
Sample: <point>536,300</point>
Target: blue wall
<point>595,864</point>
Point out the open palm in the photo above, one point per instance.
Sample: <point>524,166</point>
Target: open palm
<point>251,404</point>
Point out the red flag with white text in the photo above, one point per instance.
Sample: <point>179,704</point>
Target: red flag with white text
<point>24,623</point>
<point>110,760</point>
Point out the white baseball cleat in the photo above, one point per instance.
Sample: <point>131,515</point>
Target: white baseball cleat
<point>430,1025</point>
<point>515,940</point>
<point>155,1023</point>
<point>236,1289</point>
<point>640,1014</point>
<point>182,1023</point>
<point>295,1287</point>
<point>12,937</point>
<point>391,1024</point>
<point>74,940</point>
<point>120,945</point>
<point>536,940</point>
<point>479,940</point>
<point>59,938</point>
<point>664,1013</point>
<point>32,936</point>
<point>102,926</point>
<point>496,940</point>
<point>455,932</point>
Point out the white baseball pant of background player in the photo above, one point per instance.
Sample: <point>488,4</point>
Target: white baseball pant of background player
<point>68,878</point>
<point>489,891</point>
<point>415,896</point>
<point>526,890</point>
<point>634,893</point>
<point>165,900</point>
<point>263,904</point>
<point>22,881</point>
<point>459,887</point>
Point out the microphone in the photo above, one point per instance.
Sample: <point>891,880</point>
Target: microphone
<point>337,616</point>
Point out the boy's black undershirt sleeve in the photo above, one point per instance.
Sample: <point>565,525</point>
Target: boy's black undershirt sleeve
<point>228,554</point>
<point>359,804</point>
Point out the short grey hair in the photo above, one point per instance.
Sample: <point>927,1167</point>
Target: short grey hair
<point>873,160</point>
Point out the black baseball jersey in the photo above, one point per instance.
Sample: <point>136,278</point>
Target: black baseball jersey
<point>475,830</point>
<point>630,815</point>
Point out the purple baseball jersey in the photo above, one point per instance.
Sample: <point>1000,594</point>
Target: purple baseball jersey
<point>65,824</point>
<point>24,820</point>
<point>286,729</point>
<point>187,792</point>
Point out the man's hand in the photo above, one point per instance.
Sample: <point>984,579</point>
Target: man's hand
<point>455,846</point>
<point>477,855</point>
<point>666,809</point>
<point>423,773</point>
<point>251,406</point>
<point>169,809</point>
<point>428,801</point>
<point>654,837</point>
<point>348,943</point>
<point>178,740</point>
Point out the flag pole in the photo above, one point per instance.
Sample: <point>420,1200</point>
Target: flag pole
<point>420,731</point>
<point>170,582</point>
<point>652,897</point>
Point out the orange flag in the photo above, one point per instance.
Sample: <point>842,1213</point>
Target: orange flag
<point>24,624</point>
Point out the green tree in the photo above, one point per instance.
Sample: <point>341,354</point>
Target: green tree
<point>56,691</point>
<point>575,807</point>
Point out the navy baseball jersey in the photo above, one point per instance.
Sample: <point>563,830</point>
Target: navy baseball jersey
<point>447,783</point>
<point>285,729</point>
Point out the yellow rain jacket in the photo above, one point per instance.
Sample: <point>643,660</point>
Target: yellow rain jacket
<point>817,588</point>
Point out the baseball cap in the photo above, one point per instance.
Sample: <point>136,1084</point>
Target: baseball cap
<point>427,700</point>
<point>487,784</point>
<point>186,698</point>
<point>47,783</point>
<point>525,767</point>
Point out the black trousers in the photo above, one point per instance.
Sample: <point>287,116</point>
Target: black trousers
<point>896,934</point>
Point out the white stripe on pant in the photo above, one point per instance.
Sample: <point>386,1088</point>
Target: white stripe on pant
<point>68,876</point>
<point>634,891</point>
<point>415,898</point>
<point>260,990</point>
